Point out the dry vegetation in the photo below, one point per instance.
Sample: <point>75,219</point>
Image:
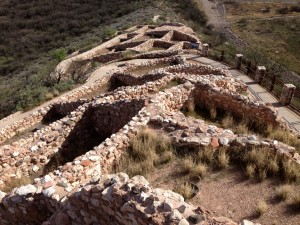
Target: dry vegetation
<point>239,125</point>
<point>274,29</point>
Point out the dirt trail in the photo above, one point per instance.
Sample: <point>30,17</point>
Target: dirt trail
<point>216,13</point>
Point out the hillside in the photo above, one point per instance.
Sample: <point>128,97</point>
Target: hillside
<point>31,30</point>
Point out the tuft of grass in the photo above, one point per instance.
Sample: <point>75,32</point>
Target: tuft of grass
<point>228,121</point>
<point>213,112</point>
<point>187,165</point>
<point>205,155</point>
<point>250,171</point>
<point>16,182</point>
<point>290,171</point>
<point>273,166</point>
<point>242,128</point>
<point>261,207</point>
<point>296,202</point>
<point>199,171</point>
<point>185,190</point>
<point>262,175</point>
<point>222,159</point>
<point>147,150</point>
<point>283,192</point>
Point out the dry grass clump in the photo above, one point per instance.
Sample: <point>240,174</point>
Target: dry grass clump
<point>250,171</point>
<point>205,155</point>
<point>261,207</point>
<point>284,136</point>
<point>296,202</point>
<point>147,150</point>
<point>262,175</point>
<point>187,165</point>
<point>242,128</point>
<point>16,182</point>
<point>283,192</point>
<point>222,159</point>
<point>199,171</point>
<point>290,170</point>
<point>261,161</point>
<point>227,121</point>
<point>185,190</point>
<point>213,112</point>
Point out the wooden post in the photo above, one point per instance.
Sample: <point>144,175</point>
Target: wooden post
<point>273,83</point>
<point>248,68</point>
<point>222,55</point>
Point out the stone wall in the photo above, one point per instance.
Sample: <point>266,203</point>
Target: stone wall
<point>237,104</point>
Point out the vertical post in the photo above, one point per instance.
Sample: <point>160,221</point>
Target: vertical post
<point>238,61</point>
<point>287,94</point>
<point>205,48</point>
<point>260,73</point>
<point>222,55</point>
<point>248,67</point>
<point>273,83</point>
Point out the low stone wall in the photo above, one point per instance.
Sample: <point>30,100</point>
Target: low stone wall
<point>124,46</point>
<point>107,57</point>
<point>180,36</point>
<point>237,104</point>
<point>198,70</point>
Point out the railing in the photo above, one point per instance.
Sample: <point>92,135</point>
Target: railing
<point>270,81</point>
<point>295,103</point>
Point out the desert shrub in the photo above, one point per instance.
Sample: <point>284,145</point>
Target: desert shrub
<point>59,54</point>
<point>228,121</point>
<point>205,155</point>
<point>185,190</point>
<point>262,175</point>
<point>283,192</point>
<point>290,170</point>
<point>250,171</point>
<point>296,202</point>
<point>295,8</point>
<point>187,165</point>
<point>64,85</point>
<point>147,150</point>
<point>261,207</point>
<point>283,10</point>
<point>199,171</point>
<point>222,159</point>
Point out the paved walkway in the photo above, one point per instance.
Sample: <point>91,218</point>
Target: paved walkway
<point>257,91</point>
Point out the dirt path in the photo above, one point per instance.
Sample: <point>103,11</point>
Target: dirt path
<point>216,13</point>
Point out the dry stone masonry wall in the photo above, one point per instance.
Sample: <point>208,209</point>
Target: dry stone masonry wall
<point>72,155</point>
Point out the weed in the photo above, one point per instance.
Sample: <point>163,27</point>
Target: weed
<point>290,171</point>
<point>187,165</point>
<point>205,155</point>
<point>185,190</point>
<point>262,175</point>
<point>296,202</point>
<point>199,171</point>
<point>16,182</point>
<point>222,159</point>
<point>250,170</point>
<point>283,192</point>
<point>261,207</point>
